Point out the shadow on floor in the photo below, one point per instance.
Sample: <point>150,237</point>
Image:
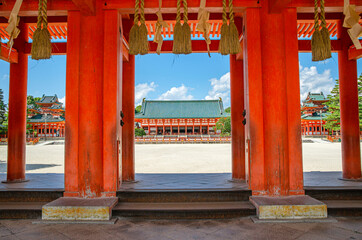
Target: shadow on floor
<point>3,166</point>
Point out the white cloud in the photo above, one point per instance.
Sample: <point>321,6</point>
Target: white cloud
<point>62,100</point>
<point>177,93</point>
<point>313,81</point>
<point>142,90</point>
<point>220,88</point>
<point>5,77</point>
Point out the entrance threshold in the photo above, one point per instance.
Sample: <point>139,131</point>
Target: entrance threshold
<point>183,182</point>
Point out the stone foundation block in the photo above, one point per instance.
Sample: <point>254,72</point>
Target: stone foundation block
<point>290,207</point>
<point>71,208</point>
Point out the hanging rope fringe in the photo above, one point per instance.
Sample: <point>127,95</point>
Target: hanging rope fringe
<point>317,41</point>
<point>134,32</point>
<point>224,47</point>
<point>41,47</point>
<point>178,40</point>
<point>233,32</point>
<point>325,34</point>
<point>143,40</point>
<point>186,31</point>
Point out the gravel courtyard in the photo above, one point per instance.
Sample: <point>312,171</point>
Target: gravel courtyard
<point>178,158</point>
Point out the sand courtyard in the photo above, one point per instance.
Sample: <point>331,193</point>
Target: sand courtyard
<point>177,158</point>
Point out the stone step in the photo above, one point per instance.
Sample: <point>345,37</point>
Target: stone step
<point>184,210</point>
<point>30,195</point>
<point>334,194</point>
<point>344,207</point>
<point>21,210</point>
<point>199,195</point>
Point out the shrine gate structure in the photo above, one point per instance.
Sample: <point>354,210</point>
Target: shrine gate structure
<point>99,128</point>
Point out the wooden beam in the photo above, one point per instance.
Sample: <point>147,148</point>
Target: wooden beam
<point>61,7</point>
<point>277,6</point>
<point>305,45</point>
<point>30,7</point>
<point>353,53</point>
<point>7,55</point>
<point>59,48</point>
<point>87,7</point>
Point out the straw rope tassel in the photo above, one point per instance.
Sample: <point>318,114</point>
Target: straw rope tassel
<point>159,25</point>
<point>224,48</point>
<point>178,46</point>
<point>41,47</point>
<point>186,30</point>
<point>317,41</point>
<point>234,45</point>
<point>134,32</point>
<point>143,40</point>
<point>325,34</point>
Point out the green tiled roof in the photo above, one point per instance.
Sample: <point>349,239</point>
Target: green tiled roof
<point>40,118</point>
<point>314,116</point>
<point>316,96</point>
<point>49,99</point>
<point>157,109</point>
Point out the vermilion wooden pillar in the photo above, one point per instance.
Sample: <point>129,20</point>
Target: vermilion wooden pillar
<point>237,127</point>
<point>350,131</point>
<point>128,141</point>
<point>271,97</point>
<point>17,110</point>
<point>93,88</point>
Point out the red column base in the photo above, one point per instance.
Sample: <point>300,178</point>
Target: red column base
<point>351,179</point>
<point>15,181</point>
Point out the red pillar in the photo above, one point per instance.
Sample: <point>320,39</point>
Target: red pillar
<point>128,168</point>
<point>237,127</point>
<point>17,110</point>
<point>272,102</point>
<point>92,88</point>
<point>295,153</point>
<point>350,131</point>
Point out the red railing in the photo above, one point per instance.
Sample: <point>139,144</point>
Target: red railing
<point>177,139</point>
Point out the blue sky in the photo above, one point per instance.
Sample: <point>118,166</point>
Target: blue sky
<point>168,76</point>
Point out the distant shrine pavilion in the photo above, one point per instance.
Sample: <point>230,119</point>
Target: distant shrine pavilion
<point>180,117</point>
<point>314,113</point>
<point>46,117</point>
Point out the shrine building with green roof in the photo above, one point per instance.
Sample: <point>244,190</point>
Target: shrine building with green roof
<point>180,117</point>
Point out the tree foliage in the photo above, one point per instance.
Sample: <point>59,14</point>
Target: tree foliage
<point>2,107</point>
<point>139,132</point>
<point>224,124</point>
<point>138,109</point>
<point>228,110</point>
<point>359,82</point>
<point>333,119</point>
<point>3,114</point>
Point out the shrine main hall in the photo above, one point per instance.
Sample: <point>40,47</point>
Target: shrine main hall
<point>262,38</point>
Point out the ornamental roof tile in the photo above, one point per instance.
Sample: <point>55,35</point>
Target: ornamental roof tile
<point>168,109</point>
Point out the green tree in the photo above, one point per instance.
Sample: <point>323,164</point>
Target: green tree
<point>359,82</point>
<point>138,109</point>
<point>139,132</point>
<point>224,124</point>
<point>228,110</point>
<point>2,108</point>
<point>32,100</point>
<point>333,119</point>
